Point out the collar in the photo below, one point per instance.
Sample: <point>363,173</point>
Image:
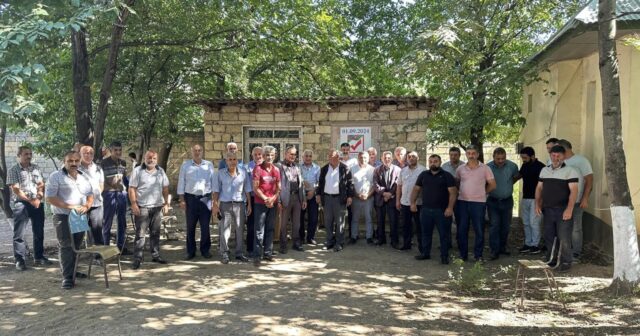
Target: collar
<point>561,166</point>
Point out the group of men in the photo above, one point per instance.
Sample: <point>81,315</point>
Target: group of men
<point>395,188</point>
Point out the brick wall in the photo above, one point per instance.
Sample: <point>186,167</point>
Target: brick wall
<point>15,140</point>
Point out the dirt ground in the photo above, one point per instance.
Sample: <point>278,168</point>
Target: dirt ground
<point>363,290</point>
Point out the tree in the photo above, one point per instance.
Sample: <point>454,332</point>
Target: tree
<point>626,273</point>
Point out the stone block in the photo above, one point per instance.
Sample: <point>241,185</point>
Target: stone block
<point>311,138</point>
<point>398,115</point>
<point>338,116</point>
<point>350,108</point>
<point>388,108</point>
<point>212,137</point>
<point>219,146</point>
<point>320,116</point>
<point>416,137</point>
<point>264,117</point>
<point>226,137</point>
<point>302,116</point>
<point>286,117</point>
<point>308,129</point>
<point>358,115</point>
<point>234,129</point>
<point>247,117</point>
<point>208,146</point>
<point>379,115</point>
<point>323,129</point>
<point>416,114</point>
<point>230,109</point>
<point>230,116</point>
<point>325,138</point>
<point>211,116</point>
<point>218,128</point>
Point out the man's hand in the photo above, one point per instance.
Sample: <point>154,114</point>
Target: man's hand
<point>183,204</point>
<point>398,205</point>
<point>310,194</point>
<point>585,203</point>
<point>35,202</point>
<point>414,208</point>
<point>81,208</point>
<point>448,212</point>
<point>567,214</point>
<point>249,210</point>
<point>215,209</point>
<point>349,201</point>
<point>304,205</point>
<point>318,200</point>
<point>135,209</point>
<point>538,210</point>
<point>166,208</point>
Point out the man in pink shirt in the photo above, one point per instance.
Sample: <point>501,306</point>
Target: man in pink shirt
<point>266,189</point>
<point>476,181</point>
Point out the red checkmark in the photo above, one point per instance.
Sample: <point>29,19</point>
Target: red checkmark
<point>357,144</point>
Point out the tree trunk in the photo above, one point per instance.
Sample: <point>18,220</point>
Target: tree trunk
<point>626,273</point>
<point>81,87</point>
<point>110,72</point>
<point>165,150</point>
<point>5,192</point>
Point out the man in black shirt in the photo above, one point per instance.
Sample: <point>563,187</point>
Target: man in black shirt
<point>439,195</point>
<point>530,172</point>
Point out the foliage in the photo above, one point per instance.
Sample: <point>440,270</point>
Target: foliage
<point>467,280</point>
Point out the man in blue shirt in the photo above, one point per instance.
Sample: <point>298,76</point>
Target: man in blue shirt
<point>500,202</point>
<point>194,190</point>
<point>231,189</point>
<point>233,148</point>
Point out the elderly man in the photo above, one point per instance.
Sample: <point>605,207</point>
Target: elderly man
<point>556,197</point>
<point>231,189</point>
<point>96,176</point>
<point>310,174</point>
<point>149,196</point>
<point>115,196</point>
<point>408,177</point>
<point>27,190</point>
<point>335,193</point>
<point>400,157</point>
<point>439,193</point>
<point>585,184</point>
<point>194,191</point>
<point>476,181</point>
<point>500,202</point>
<point>232,147</point>
<point>292,199</point>
<point>68,189</point>
<point>363,200</point>
<point>266,188</point>
<point>373,157</point>
<point>256,155</point>
<point>385,179</point>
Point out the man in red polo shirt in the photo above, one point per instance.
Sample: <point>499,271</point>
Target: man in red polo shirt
<point>266,188</point>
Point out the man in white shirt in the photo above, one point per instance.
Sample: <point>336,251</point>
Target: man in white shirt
<point>363,198</point>
<point>408,177</point>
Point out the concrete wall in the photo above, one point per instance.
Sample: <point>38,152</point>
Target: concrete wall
<point>568,104</point>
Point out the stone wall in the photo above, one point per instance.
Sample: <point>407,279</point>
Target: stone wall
<point>15,140</point>
<point>179,153</point>
<point>393,122</point>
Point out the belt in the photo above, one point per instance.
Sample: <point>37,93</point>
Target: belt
<point>198,196</point>
<point>233,202</point>
<point>500,199</point>
<point>332,195</point>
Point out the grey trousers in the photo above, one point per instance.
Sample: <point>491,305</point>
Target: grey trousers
<point>335,214</point>
<point>360,208</point>
<point>233,217</point>
<point>291,212</point>
<point>576,235</point>
<point>65,250</point>
<point>149,218</point>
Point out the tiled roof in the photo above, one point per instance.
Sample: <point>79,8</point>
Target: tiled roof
<point>247,100</point>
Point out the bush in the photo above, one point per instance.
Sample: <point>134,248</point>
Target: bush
<point>468,280</point>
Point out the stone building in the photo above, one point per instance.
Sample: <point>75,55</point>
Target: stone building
<point>381,122</point>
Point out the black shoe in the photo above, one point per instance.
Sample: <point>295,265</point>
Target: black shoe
<point>479,259</point>
<point>525,249</point>
<point>283,251</point>
<point>21,266</point>
<point>505,253</point>
<point>225,259</point>
<point>494,256</point>
<point>422,257</point>
<point>552,263</point>
<point>395,246</point>
<point>351,241</point>
<point>267,258</point>
<point>67,284</point>
<point>564,268</point>
<point>136,264</point>
<point>405,248</point>
<point>534,250</point>
<point>338,248</point>
<point>190,256</point>
<point>464,258</point>
<point>444,260</point>
<point>159,260</point>
<point>242,258</point>
<point>328,247</point>
<point>80,275</point>
<point>43,261</point>
<point>256,262</point>
<point>207,255</point>
<point>311,242</point>
<point>369,241</point>
<point>298,248</point>
<point>380,242</point>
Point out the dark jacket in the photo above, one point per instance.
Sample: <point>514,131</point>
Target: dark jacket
<point>345,184</point>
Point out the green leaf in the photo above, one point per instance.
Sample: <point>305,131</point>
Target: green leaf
<point>5,108</point>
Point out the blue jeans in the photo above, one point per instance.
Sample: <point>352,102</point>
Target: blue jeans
<point>22,212</point>
<point>430,218</point>
<point>500,214</point>
<point>390,208</point>
<point>114,204</point>
<point>410,219</point>
<point>531,222</point>
<point>312,216</point>
<point>198,210</point>
<point>264,225</point>
<point>470,213</point>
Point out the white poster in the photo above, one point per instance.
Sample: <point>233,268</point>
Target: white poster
<point>358,138</point>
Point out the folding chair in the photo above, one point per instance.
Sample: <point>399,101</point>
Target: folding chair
<point>105,252</point>
<point>525,265</point>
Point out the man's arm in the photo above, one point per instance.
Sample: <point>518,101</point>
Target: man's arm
<point>453,196</point>
<point>399,193</point>
<point>414,198</point>
<point>134,200</point>
<point>588,186</point>
<point>491,185</point>
<point>539,198</point>
<point>181,186</point>
<point>568,212</point>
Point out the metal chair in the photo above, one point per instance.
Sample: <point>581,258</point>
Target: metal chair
<point>543,266</point>
<point>105,252</point>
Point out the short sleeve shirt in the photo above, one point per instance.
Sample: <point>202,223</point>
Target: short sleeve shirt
<point>582,165</point>
<point>473,182</point>
<point>555,185</point>
<point>67,189</point>
<point>149,186</point>
<point>435,188</point>
<point>504,179</point>
<point>28,179</point>
<point>450,168</point>
<point>407,181</point>
<point>267,181</point>
<point>232,188</point>
<point>114,173</point>
<point>95,175</point>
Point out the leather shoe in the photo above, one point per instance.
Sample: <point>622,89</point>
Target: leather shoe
<point>21,266</point>
<point>267,258</point>
<point>298,248</point>
<point>256,262</point>
<point>207,255</point>
<point>494,256</point>
<point>351,241</point>
<point>395,246</point>
<point>506,253</point>
<point>444,260</point>
<point>242,258</point>
<point>404,248</point>
<point>136,264</point>
<point>328,247</point>
<point>43,261</point>
<point>225,259</point>
<point>380,242</point>
<point>283,251</point>
<point>80,275</point>
<point>190,256</point>
<point>159,260</point>
<point>338,248</point>
<point>422,257</point>
<point>311,242</point>
<point>369,241</point>
<point>67,284</point>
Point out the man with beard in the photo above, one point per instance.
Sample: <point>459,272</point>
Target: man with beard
<point>149,196</point>
<point>406,182</point>
<point>68,189</point>
<point>114,196</point>
<point>530,174</point>
<point>439,194</point>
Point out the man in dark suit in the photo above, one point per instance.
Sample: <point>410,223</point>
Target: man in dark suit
<point>335,192</point>
<point>385,179</point>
